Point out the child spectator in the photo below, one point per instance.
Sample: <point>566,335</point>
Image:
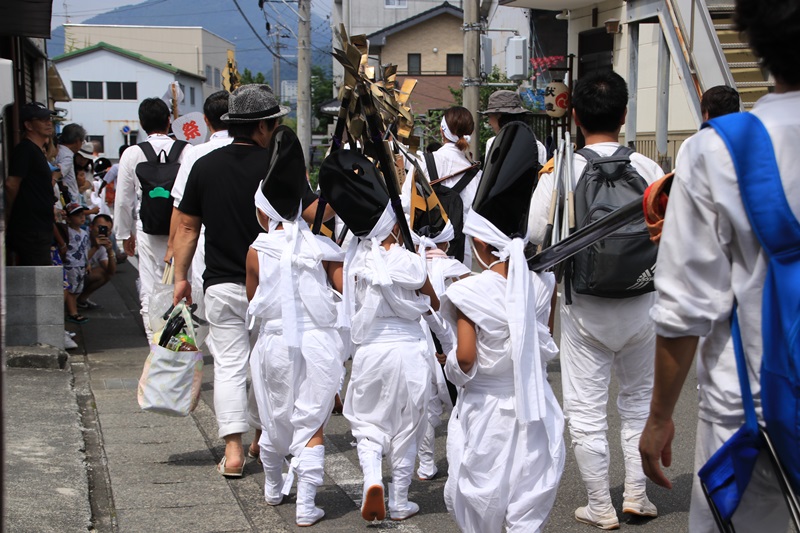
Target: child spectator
<point>75,260</point>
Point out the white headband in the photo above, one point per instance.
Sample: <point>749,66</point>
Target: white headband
<point>449,135</point>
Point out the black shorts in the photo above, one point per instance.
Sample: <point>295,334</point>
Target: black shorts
<point>32,248</point>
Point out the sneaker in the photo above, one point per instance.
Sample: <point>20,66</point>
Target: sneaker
<point>69,344</point>
<point>88,304</point>
<point>605,521</point>
<point>640,507</point>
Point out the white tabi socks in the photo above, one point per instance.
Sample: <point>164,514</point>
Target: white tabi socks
<point>273,476</point>
<point>427,464</point>
<point>309,477</point>
<point>592,458</point>
<point>635,499</point>
<point>399,506</point>
<point>370,457</point>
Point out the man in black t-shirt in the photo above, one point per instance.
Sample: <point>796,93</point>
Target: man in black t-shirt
<point>220,194</point>
<point>29,190</point>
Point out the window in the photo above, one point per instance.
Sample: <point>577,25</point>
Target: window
<point>217,78</point>
<point>97,141</point>
<point>91,90</point>
<point>455,64</point>
<point>415,63</point>
<point>208,75</point>
<point>191,95</point>
<point>395,4</point>
<point>121,90</point>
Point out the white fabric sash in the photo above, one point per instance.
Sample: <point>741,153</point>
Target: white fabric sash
<point>449,135</point>
<point>521,307</point>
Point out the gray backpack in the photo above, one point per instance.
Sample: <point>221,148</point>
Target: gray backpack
<point>623,264</point>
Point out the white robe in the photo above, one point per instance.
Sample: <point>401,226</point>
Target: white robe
<point>387,395</point>
<point>295,389</point>
<point>502,472</point>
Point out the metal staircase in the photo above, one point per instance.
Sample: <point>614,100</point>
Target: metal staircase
<point>751,80</point>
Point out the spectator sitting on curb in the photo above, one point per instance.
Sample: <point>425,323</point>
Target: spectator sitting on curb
<point>102,260</point>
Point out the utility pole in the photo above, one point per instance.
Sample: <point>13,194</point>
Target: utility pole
<point>304,77</point>
<point>276,67</point>
<point>471,81</point>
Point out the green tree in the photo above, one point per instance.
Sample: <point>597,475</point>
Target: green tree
<point>321,90</point>
<point>249,77</point>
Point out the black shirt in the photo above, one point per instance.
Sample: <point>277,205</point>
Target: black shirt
<point>221,190</point>
<point>33,207</point>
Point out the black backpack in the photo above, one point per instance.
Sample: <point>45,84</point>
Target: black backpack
<point>451,202</point>
<point>623,264</point>
<point>157,176</point>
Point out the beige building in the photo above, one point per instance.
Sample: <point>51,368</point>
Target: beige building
<point>192,49</point>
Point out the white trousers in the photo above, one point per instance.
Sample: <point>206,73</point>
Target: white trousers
<point>295,391</point>
<point>762,507</point>
<point>151,250</point>
<point>199,262</point>
<point>387,397</point>
<point>586,366</point>
<point>226,309</point>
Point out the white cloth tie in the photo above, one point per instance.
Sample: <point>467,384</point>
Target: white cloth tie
<point>449,135</point>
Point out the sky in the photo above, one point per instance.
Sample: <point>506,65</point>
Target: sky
<point>80,10</point>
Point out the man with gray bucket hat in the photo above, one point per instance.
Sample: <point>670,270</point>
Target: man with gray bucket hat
<point>504,107</point>
<point>219,194</point>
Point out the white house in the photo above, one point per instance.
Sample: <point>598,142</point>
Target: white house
<point>107,83</point>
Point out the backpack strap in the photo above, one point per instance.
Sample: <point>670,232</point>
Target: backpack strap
<point>465,179</point>
<point>430,164</point>
<point>753,156</point>
<point>148,151</point>
<point>176,150</point>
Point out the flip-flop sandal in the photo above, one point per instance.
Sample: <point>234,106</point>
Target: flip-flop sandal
<point>229,472</point>
<point>254,454</point>
<point>77,319</point>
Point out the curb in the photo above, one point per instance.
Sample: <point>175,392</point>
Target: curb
<point>36,356</point>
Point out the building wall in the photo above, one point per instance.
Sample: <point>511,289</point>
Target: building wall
<point>680,117</point>
<point>442,33</point>
<point>107,117</point>
<point>190,49</point>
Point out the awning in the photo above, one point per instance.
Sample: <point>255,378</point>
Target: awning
<point>55,85</point>
<point>554,5</point>
<point>26,18</point>
<point>331,107</point>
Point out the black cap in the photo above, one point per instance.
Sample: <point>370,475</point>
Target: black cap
<point>286,181</point>
<point>504,193</point>
<point>102,164</point>
<point>34,110</point>
<point>355,189</point>
<point>428,216</point>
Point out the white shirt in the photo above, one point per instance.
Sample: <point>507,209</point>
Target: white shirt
<point>129,190</point>
<point>65,159</point>
<point>610,320</point>
<point>709,255</point>
<point>190,155</point>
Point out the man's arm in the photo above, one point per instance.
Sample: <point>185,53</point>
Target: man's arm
<point>12,189</point>
<point>125,201</point>
<point>184,245</point>
<point>674,358</point>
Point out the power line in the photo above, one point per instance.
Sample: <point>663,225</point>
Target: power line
<point>271,51</point>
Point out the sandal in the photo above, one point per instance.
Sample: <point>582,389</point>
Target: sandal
<point>77,319</point>
<point>229,472</point>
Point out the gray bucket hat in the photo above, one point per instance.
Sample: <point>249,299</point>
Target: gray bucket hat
<point>507,102</point>
<point>251,103</point>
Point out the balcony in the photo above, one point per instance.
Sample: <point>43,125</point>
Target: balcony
<point>553,5</point>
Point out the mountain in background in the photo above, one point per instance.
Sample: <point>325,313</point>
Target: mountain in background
<point>225,20</point>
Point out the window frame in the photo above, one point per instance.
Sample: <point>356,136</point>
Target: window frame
<point>87,91</point>
<point>452,72</point>
<point>418,70</point>
<point>395,4</point>
<point>124,93</point>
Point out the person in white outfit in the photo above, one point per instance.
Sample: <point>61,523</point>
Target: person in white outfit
<point>601,335</point>
<point>504,107</point>
<point>296,363</point>
<point>453,161</point>
<point>214,107</point>
<point>709,257</point>
<point>154,119</point>
<point>387,396</point>
<point>432,232</point>
<point>505,444</point>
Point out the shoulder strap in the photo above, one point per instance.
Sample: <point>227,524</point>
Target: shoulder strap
<point>465,179</point>
<point>148,151</point>
<point>430,164</point>
<point>588,154</point>
<point>753,156</point>
<point>175,151</point>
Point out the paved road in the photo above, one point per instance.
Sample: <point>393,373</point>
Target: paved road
<point>161,470</point>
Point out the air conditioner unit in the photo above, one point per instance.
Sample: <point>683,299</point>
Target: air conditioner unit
<point>517,58</point>
<point>486,55</point>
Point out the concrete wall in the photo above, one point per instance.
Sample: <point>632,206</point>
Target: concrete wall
<point>35,306</point>
<point>442,32</point>
<point>107,117</point>
<point>680,117</point>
